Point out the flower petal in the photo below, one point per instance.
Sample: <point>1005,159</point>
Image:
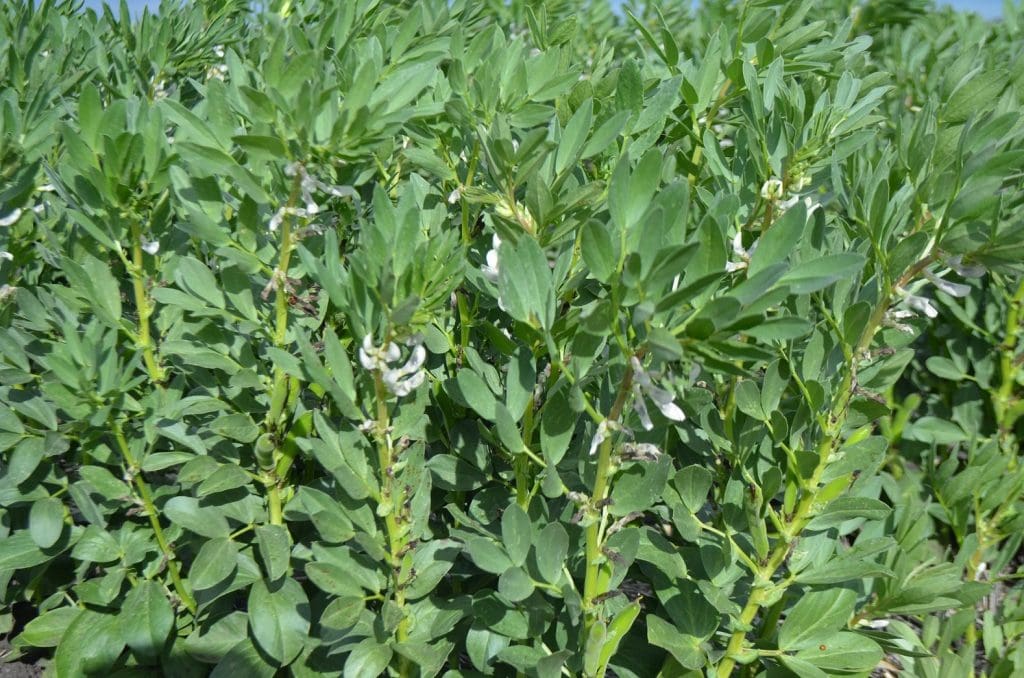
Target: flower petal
<point>951,288</point>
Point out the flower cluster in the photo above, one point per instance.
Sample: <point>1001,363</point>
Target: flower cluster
<point>492,267</point>
<point>401,380</point>
<point>742,255</point>
<point>217,71</point>
<point>784,197</point>
<point>643,385</point>
<point>307,185</point>
<point>915,303</point>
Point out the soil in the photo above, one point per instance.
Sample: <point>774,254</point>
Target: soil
<point>16,669</point>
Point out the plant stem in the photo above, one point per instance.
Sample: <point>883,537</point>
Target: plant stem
<point>144,309</point>
<point>279,385</point>
<point>599,570</point>
<point>390,507</point>
<point>1003,397</point>
<point>1002,407</point>
<point>154,520</point>
<point>808,504</point>
<point>467,236</point>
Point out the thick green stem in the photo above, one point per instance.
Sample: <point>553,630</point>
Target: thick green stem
<point>147,501</point>
<point>808,504</point>
<point>467,235</point>
<point>1002,399</point>
<point>1005,415</point>
<point>390,507</point>
<point>599,570</point>
<point>280,386</point>
<point>144,309</point>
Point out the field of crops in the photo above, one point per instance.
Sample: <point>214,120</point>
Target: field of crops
<point>529,338</point>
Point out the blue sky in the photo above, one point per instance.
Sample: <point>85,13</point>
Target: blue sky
<point>989,8</point>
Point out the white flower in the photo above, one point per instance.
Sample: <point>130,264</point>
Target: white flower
<point>401,380</point>
<point>279,216</point>
<point>640,452</point>
<point>492,267</point>
<point>772,189</point>
<point>604,430</point>
<point>965,270</point>
<point>920,304</point>
<point>218,51</point>
<point>150,247</point>
<point>894,318</point>
<point>6,292</point>
<point>11,218</point>
<point>217,72</point>
<point>644,386</point>
<point>309,183</point>
<point>454,196</point>
<point>742,254</point>
<point>377,358</point>
<point>950,288</point>
<point>6,256</point>
<point>800,183</point>
<point>160,90</point>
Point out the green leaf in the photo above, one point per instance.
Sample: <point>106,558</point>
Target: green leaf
<point>214,563</point>
<point>683,647</point>
<point>573,136</point>
<point>841,509</point>
<point>91,644</point>
<point>785,328</point>
<point>977,92</point>
<point>604,135</point>
<point>516,534</point>
<point>556,428</point>
<point>550,551</point>
<point>194,277</point>
<point>816,615</point>
<point>524,281</point>
<point>488,555</point>
<point>944,368</point>
<point>46,522</point>
<point>820,272</point>
<point>275,549</point>
<point>368,658</point>
<point>279,618</point>
<point>515,585</point>
<point>474,392</point>
<point>693,483</point>
<point>106,290</point>
<point>639,486</point>
<point>96,545</point>
<point>520,382</point>
<point>237,426</point>
<point>243,659</point>
<point>431,561</point>
<point>600,252</point>
<point>46,629</point>
<point>780,240</point>
<point>507,430</point>
<point>205,521</point>
<point>629,193</point>
<point>147,619</point>
<point>227,477</point>
<point>843,652</point>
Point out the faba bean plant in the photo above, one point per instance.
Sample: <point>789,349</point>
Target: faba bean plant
<point>527,338</point>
